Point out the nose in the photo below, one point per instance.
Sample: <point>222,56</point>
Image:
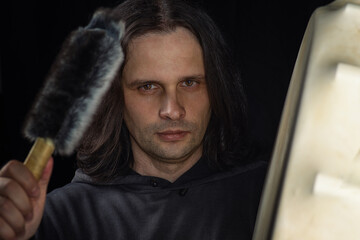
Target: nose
<point>171,108</point>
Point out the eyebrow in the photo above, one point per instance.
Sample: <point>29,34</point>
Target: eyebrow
<point>198,77</point>
<point>140,82</point>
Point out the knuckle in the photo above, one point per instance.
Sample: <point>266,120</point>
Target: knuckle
<point>19,229</point>
<point>14,220</point>
<point>18,173</point>
<point>5,204</point>
<point>8,185</point>
<point>12,194</point>
<point>5,231</point>
<point>9,166</point>
<point>13,163</point>
<point>9,188</point>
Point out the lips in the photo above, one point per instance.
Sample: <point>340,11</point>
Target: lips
<point>172,135</point>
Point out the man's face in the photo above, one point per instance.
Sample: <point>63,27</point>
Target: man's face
<point>167,107</point>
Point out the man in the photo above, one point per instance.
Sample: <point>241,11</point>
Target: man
<point>165,157</point>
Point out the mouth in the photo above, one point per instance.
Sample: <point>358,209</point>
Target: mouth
<point>172,135</point>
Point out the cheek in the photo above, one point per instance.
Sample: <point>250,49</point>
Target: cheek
<point>138,111</point>
<point>198,107</point>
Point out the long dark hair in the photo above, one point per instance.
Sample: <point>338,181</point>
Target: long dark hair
<point>106,151</point>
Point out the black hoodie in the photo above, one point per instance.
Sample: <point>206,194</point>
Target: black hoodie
<point>201,204</point>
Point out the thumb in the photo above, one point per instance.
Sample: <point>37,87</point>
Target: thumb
<point>39,202</point>
<point>45,178</point>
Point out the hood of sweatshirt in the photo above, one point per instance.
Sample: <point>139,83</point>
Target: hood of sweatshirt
<point>200,173</point>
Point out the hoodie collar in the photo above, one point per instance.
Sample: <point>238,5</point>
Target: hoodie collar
<point>200,170</point>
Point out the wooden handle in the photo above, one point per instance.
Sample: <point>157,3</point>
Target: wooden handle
<point>39,156</point>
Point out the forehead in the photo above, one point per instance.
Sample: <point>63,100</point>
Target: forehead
<point>171,36</point>
<point>174,52</point>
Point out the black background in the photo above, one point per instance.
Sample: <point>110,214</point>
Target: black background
<point>264,35</point>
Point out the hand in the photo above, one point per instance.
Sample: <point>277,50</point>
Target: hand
<point>22,200</point>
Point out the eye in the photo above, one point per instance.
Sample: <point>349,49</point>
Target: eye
<point>147,87</point>
<point>189,83</point>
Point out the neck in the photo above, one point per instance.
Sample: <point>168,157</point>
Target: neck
<point>166,169</point>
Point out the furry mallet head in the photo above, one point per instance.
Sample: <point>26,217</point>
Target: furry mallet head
<point>80,76</point>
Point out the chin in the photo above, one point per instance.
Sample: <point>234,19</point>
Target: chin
<point>176,154</point>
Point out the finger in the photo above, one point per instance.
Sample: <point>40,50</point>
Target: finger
<point>10,214</point>
<point>14,192</point>
<point>21,174</point>
<point>45,178</point>
<point>6,232</point>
